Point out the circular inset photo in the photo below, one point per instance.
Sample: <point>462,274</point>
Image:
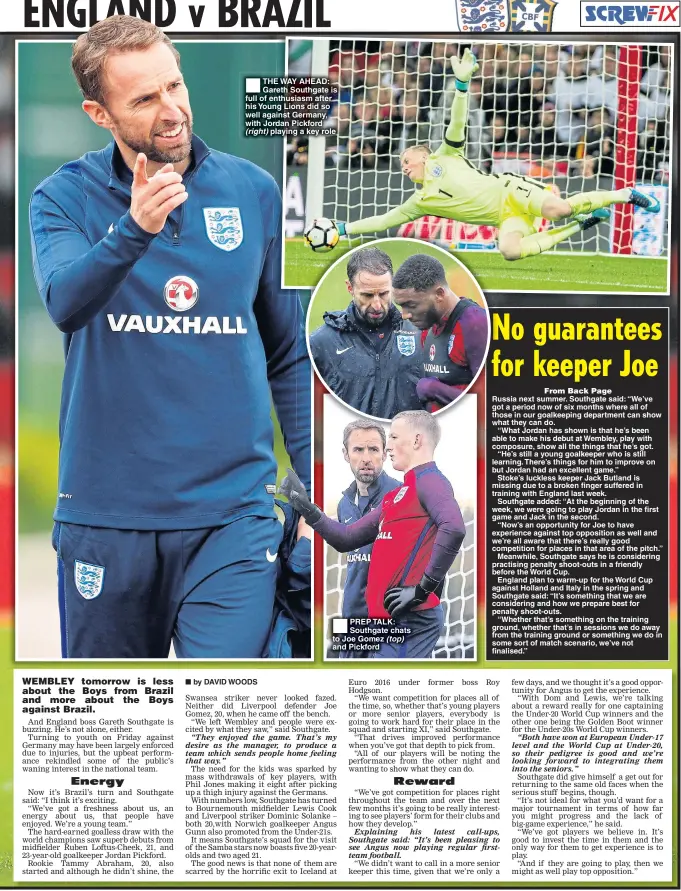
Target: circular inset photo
<point>398,325</point>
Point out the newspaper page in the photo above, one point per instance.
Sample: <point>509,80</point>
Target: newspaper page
<point>344,509</point>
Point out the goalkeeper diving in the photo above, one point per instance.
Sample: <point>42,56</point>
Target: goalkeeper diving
<point>455,189</point>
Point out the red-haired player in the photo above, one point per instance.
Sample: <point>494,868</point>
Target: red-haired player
<point>417,532</point>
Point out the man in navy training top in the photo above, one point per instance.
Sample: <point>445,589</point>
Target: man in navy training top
<point>417,533</point>
<point>454,330</point>
<point>364,449</point>
<point>159,260</point>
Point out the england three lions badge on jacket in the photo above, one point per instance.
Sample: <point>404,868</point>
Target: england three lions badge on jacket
<point>89,579</point>
<point>483,15</point>
<point>224,227</point>
<point>406,344</point>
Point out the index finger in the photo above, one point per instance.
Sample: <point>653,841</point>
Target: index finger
<point>139,172</point>
<point>167,168</point>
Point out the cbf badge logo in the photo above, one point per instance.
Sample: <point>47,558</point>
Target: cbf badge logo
<point>223,227</point>
<point>400,495</point>
<point>406,344</point>
<point>89,579</point>
<point>532,16</point>
<point>483,15</point>
<point>181,293</point>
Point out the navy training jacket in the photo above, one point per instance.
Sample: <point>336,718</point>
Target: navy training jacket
<point>354,602</point>
<point>379,382</point>
<point>173,343</point>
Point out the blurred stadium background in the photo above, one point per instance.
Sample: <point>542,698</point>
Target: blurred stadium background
<point>582,116</point>
<point>52,129</point>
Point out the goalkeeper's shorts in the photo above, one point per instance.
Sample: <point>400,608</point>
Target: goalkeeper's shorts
<point>521,204</point>
<point>125,594</point>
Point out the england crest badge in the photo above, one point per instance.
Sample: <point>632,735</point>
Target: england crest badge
<point>89,579</point>
<point>406,344</point>
<point>224,227</point>
<point>400,495</point>
<point>483,15</point>
<point>527,15</point>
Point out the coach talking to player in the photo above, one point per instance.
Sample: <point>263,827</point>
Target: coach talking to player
<point>159,259</point>
<point>417,532</point>
<point>366,354</point>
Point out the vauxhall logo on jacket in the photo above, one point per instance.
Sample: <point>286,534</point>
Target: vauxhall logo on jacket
<point>180,293</point>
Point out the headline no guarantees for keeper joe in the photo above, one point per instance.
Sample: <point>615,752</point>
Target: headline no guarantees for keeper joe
<point>545,333</point>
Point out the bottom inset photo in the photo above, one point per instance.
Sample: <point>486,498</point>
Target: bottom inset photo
<point>410,592</point>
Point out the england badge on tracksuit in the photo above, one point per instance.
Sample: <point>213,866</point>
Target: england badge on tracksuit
<point>400,495</point>
<point>224,227</point>
<point>406,344</point>
<point>483,15</point>
<point>89,579</point>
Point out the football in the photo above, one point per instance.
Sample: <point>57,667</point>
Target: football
<point>322,235</point>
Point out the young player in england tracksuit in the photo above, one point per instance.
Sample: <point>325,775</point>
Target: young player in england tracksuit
<point>417,533</point>
<point>159,259</point>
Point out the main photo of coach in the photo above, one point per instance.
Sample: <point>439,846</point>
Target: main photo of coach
<point>159,260</point>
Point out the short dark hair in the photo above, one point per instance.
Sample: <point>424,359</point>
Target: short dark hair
<point>108,37</point>
<point>363,424</point>
<point>419,272</point>
<point>369,259</point>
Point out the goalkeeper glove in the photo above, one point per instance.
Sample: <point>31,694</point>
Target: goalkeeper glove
<point>294,490</point>
<point>464,69</point>
<point>399,600</point>
<point>340,227</point>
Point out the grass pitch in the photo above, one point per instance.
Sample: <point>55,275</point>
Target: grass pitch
<point>559,272</point>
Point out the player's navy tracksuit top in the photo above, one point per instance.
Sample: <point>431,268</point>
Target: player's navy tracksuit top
<point>351,508</point>
<point>170,343</point>
<point>418,528</point>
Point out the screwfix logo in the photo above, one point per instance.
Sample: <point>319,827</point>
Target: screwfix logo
<point>629,15</point>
